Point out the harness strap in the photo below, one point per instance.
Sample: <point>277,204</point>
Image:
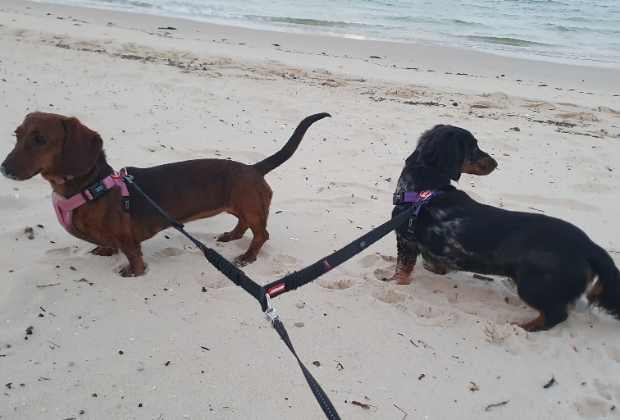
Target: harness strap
<point>417,200</point>
<point>64,206</point>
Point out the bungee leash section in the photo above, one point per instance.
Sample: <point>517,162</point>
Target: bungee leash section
<point>292,281</point>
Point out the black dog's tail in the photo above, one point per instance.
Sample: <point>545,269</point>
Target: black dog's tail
<point>606,292</point>
<point>281,156</point>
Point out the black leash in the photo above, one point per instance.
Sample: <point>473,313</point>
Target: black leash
<point>258,292</point>
<point>304,276</point>
<point>320,395</point>
<point>292,281</point>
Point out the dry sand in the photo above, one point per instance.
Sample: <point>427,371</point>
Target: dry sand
<point>157,347</point>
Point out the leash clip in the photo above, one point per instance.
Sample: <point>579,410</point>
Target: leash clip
<point>270,312</point>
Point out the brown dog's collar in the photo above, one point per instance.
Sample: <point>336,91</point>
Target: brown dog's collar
<point>58,180</point>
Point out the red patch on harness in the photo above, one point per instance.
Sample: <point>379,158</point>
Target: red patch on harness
<point>277,289</point>
<point>425,194</point>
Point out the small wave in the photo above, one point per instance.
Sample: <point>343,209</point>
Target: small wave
<point>436,21</point>
<point>133,3</point>
<point>562,28</point>
<point>466,23</point>
<point>514,42</point>
<point>309,22</point>
<point>545,2</point>
<point>584,29</point>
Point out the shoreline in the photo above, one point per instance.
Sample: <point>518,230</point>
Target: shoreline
<point>318,31</point>
<point>416,64</point>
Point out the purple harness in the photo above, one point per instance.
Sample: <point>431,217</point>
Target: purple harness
<point>417,199</point>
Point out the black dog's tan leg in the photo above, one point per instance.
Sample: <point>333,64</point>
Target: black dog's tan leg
<point>405,262</point>
<point>234,234</point>
<point>434,267</point>
<point>104,251</point>
<point>547,319</point>
<point>533,286</point>
<point>535,324</point>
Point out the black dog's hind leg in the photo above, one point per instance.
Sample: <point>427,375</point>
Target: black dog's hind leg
<point>547,319</point>
<point>405,262</point>
<point>540,291</point>
<point>434,266</point>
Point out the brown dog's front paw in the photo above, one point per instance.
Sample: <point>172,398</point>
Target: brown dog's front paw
<point>127,271</point>
<point>104,251</point>
<point>243,260</point>
<point>226,237</point>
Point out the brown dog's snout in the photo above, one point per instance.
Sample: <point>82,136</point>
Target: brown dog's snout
<point>4,169</point>
<point>15,167</point>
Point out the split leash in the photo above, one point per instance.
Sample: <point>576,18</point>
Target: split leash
<point>292,281</point>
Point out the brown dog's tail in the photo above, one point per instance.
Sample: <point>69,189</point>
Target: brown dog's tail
<point>284,154</point>
<point>606,291</point>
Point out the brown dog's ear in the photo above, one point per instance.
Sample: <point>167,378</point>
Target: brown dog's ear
<point>81,149</point>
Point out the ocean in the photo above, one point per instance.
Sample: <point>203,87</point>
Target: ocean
<point>581,31</point>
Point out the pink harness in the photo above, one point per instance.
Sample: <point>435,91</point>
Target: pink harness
<point>64,206</point>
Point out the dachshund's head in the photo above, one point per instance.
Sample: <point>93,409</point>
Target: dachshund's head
<point>57,147</point>
<point>445,151</point>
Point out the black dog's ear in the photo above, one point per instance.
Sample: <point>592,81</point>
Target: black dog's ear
<point>440,148</point>
<point>425,138</point>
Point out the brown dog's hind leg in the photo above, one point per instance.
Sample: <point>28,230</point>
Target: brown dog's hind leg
<point>234,234</point>
<point>104,251</point>
<point>136,265</point>
<point>257,221</point>
<point>255,214</point>
<point>260,237</point>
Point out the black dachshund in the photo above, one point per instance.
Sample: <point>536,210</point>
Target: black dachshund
<point>551,261</point>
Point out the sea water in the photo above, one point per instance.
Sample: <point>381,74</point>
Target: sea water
<point>582,31</point>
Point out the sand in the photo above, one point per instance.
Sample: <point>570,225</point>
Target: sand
<point>159,347</point>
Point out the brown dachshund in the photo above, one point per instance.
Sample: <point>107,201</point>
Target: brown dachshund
<point>70,156</point>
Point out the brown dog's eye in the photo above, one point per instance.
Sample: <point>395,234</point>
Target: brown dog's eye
<point>40,141</point>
